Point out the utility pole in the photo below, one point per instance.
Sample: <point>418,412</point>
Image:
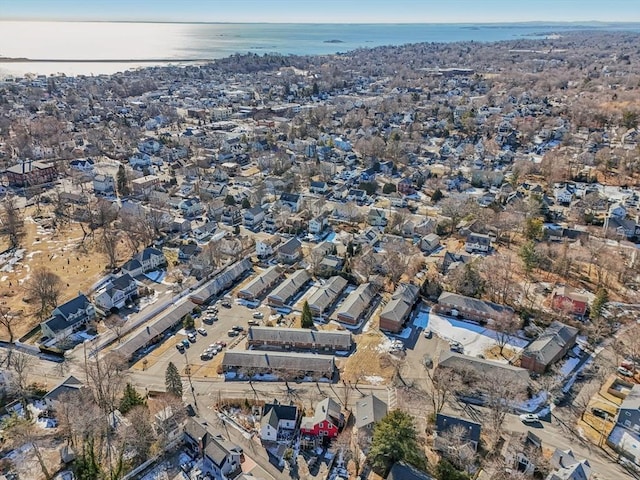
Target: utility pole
<point>187,371</point>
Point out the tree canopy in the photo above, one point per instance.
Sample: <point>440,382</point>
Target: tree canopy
<point>394,440</point>
<point>172,381</point>
<point>307,317</point>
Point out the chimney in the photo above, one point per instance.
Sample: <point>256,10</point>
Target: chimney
<point>200,447</point>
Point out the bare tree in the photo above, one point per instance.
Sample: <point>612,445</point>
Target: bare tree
<point>116,324</point>
<point>108,244</point>
<point>8,320</point>
<point>20,365</point>
<point>457,447</point>
<point>442,384</point>
<point>500,393</point>
<point>25,432</point>
<point>11,221</point>
<point>505,325</point>
<point>44,286</point>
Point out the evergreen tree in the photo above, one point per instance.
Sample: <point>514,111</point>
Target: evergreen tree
<point>437,195</point>
<point>307,317</point>
<point>188,323</point>
<point>599,302</point>
<point>246,203</point>
<point>172,381</point>
<point>131,398</point>
<point>529,257</point>
<point>122,182</point>
<point>229,200</point>
<point>394,440</point>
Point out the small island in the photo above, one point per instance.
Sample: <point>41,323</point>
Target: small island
<point>334,41</point>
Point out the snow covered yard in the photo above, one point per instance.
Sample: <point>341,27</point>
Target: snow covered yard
<point>476,339</point>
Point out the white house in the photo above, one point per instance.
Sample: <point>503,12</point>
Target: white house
<point>82,164</point>
<point>318,224</point>
<point>146,261</point>
<point>291,200</point>
<point>477,242</point>
<point>203,231</point>
<point>116,293</point>
<point>276,418</point>
<point>267,246</point>
<point>563,195</point>
<point>253,217</point>
<point>191,207</point>
<point>68,318</point>
<point>104,185</point>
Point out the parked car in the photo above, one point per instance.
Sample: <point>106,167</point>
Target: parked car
<point>221,343</point>
<point>226,304</point>
<point>202,332</point>
<point>625,372</point>
<point>428,333</point>
<point>529,418</point>
<point>233,333</point>
<point>208,320</point>
<point>180,347</point>
<point>598,412</point>
<point>258,315</point>
<point>206,355</point>
<point>185,343</point>
<point>457,347</point>
<point>237,328</point>
<point>252,323</point>
<point>192,337</point>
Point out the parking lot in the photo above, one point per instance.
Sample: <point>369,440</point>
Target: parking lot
<point>156,361</point>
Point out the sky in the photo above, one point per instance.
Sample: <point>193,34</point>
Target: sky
<point>324,11</point>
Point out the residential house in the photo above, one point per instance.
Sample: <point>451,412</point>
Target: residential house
<point>369,411</point>
<point>318,187</point>
<point>471,308</point>
<point>356,195</point>
<point>265,247</point>
<point>370,236</point>
<point>354,307</point>
<point>144,185</point>
<point>396,312</point>
<point>68,318</point>
<point>291,200</point>
<point>567,467</point>
<point>253,217</point>
<point>231,215</point>
<point>549,347</point>
<point>205,230</point>
<point>325,296</point>
<point>191,207</point>
<point>116,293</point>
<point>567,299</point>
<point>405,187</point>
<point>466,432</point>
<point>146,261</point>
<point>104,185</point>
<point>404,471</point>
<point>430,243</point>
<point>284,293</point>
<point>260,284</point>
<point>219,457</point>
<point>318,224</point>
<point>69,386</point>
<point>288,339</point>
<point>28,173</point>
<point>477,242</point>
<point>522,451</point>
<point>625,436</point>
<point>482,367</point>
<point>623,227</point>
<point>617,210</point>
<point>187,251</point>
<point>563,195</point>
<point>82,164</point>
<point>377,217</point>
<point>451,261</point>
<point>290,251</point>
<point>326,421</point>
<point>282,364</point>
<point>277,420</point>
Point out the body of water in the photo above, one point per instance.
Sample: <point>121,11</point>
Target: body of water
<point>108,47</point>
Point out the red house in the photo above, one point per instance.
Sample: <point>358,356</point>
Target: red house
<point>326,422</point>
<point>568,299</point>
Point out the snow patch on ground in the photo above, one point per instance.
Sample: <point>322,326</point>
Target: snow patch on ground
<point>476,339</point>
<point>374,379</point>
<point>568,366</point>
<point>533,404</point>
<point>388,345</point>
<point>8,260</point>
<point>422,319</point>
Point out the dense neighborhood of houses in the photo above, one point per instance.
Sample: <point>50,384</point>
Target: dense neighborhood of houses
<point>446,253</point>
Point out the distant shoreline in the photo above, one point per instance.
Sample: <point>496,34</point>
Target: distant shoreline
<point>104,60</point>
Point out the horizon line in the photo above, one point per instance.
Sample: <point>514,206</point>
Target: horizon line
<point>201,22</point>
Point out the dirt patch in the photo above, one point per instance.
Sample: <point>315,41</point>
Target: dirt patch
<point>493,353</point>
<point>365,364</point>
<point>79,268</point>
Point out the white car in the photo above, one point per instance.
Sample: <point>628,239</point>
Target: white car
<point>624,371</point>
<point>529,418</point>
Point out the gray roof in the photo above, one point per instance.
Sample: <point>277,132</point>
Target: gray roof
<point>68,385</point>
<point>550,344</point>
<point>401,302</point>
<point>327,294</point>
<point>480,238</point>
<point>632,400</point>
<point>262,282</point>
<point>404,471</point>
<point>287,289</point>
<point>369,409</point>
<point>338,340</point>
<point>302,362</point>
<point>221,281</point>
<point>290,247</point>
<point>460,301</point>
<point>122,282</point>
<point>481,366</point>
<point>157,327</point>
<point>357,301</point>
<point>446,422</point>
<point>72,306</point>
<point>327,409</point>
<point>272,413</point>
